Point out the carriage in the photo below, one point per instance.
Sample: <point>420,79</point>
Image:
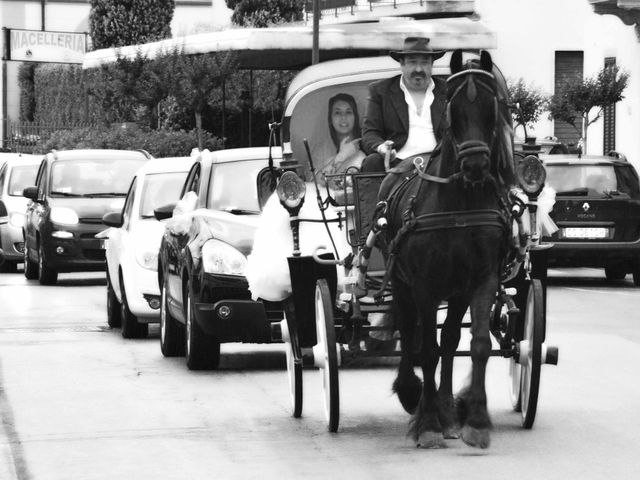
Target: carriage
<point>335,298</point>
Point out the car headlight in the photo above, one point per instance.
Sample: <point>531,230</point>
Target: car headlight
<point>63,215</point>
<point>147,258</point>
<point>17,219</point>
<point>220,257</point>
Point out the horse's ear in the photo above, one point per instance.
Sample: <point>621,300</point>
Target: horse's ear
<point>485,61</point>
<point>456,62</point>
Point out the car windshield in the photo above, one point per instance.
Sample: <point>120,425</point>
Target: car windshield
<point>575,178</point>
<point>160,189</point>
<point>21,177</point>
<point>233,186</point>
<point>90,177</point>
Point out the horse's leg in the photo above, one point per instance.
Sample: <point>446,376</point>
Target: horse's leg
<point>425,427</point>
<point>449,340</point>
<point>407,385</point>
<point>476,425</point>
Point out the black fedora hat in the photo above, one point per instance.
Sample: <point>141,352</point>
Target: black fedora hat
<point>416,46</point>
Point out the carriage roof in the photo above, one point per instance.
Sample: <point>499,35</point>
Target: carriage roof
<point>289,47</point>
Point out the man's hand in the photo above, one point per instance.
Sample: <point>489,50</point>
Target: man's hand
<point>386,148</point>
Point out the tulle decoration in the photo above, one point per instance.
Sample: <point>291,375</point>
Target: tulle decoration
<point>544,223</point>
<point>267,269</point>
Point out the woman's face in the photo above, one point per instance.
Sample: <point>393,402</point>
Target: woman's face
<point>342,118</point>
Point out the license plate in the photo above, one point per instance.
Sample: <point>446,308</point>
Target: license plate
<point>586,232</point>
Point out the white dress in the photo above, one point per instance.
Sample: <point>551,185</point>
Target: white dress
<point>267,270</point>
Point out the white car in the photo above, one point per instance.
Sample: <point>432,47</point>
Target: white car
<point>132,243</point>
<point>17,171</point>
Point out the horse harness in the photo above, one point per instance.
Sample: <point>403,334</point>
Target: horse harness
<point>497,218</point>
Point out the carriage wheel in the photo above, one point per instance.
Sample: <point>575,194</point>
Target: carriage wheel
<point>515,382</point>
<point>294,368</point>
<point>325,354</point>
<point>531,352</point>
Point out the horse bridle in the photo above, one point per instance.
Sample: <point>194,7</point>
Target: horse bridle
<point>471,147</point>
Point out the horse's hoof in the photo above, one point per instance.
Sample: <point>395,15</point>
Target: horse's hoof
<point>475,437</point>
<point>409,393</point>
<point>451,433</point>
<point>430,440</point>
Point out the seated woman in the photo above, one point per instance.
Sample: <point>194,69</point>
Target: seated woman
<point>267,269</point>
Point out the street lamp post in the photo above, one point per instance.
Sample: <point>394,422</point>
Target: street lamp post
<point>315,53</point>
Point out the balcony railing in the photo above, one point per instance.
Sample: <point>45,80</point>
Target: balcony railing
<point>368,10</point>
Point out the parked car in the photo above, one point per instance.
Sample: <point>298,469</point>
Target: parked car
<point>545,146</point>
<point>16,172</point>
<point>597,211</point>
<point>133,296</point>
<point>205,297</point>
<point>74,189</point>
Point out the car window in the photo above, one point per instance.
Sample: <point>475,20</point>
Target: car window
<point>93,176</point>
<point>628,182</point>
<point>192,183</point>
<point>127,210</point>
<point>21,176</point>
<point>3,175</point>
<point>233,186</point>
<point>160,189</point>
<point>575,177</point>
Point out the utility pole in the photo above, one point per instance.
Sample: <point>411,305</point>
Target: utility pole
<point>315,52</point>
<point>43,6</point>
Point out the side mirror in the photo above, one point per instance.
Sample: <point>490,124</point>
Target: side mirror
<point>113,219</point>
<point>164,212</point>
<point>31,193</point>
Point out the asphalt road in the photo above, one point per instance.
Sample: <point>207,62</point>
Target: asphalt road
<point>77,401</point>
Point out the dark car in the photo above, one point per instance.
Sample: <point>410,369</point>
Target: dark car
<point>205,297</point>
<point>74,189</point>
<point>597,211</point>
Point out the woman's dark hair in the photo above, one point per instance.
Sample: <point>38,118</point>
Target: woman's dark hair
<point>345,97</point>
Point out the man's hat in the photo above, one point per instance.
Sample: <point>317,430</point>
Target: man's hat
<point>416,46</point>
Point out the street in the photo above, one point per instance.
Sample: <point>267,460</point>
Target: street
<point>77,401</point>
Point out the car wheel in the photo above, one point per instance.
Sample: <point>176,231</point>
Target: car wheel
<point>8,267</point>
<point>114,320</point>
<point>131,328</point>
<point>46,275</point>
<point>30,268</point>
<point>615,272</point>
<point>202,350</point>
<point>172,341</point>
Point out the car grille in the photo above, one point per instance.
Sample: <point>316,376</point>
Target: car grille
<point>93,254</point>
<point>91,221</point>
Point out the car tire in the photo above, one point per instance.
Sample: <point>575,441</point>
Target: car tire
<point>616,272</point>
<point>172,341</point>
<point>202,350</point>
<point>46,275</point>
<point>30,268</point>
<point>8,267</point>
<point>114,319</point>
<point>131,328</point>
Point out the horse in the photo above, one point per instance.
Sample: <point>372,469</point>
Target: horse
<point>447,239</point>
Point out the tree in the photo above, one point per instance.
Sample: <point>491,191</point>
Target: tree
<point>575,100</point>
<point>200,76</point>
<point>264,13</point>
<point>116,23</point>
<point>531,103</point>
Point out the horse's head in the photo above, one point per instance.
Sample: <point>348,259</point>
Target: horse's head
<point>472,115</point>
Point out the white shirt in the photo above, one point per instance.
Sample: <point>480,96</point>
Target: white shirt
<point>421,137</point>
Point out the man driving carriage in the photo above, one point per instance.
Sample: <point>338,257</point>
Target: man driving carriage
<point>404,113</point>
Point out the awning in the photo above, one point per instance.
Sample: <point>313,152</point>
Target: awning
<point>289,48</point>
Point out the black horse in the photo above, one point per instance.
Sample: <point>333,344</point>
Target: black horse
<point>447,240</point>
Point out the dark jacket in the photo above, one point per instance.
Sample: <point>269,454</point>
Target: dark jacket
<point>387,114</point>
